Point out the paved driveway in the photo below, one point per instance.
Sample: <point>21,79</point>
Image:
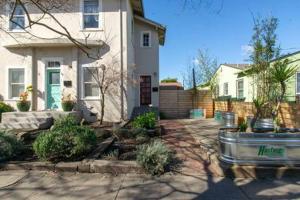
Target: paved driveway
<point>17,185</point>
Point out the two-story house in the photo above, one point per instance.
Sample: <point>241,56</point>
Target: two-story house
<point>37,55</point>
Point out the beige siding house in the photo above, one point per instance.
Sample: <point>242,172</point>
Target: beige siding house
<point>54,65</point>
<point>229,84</point>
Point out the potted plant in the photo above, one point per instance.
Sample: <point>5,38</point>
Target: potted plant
<point>67,103</point>
<point>23,104</point>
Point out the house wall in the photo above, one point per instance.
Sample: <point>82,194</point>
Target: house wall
<point>226,74</point>
<point>109,33</point>
<point>294,61</point>
<point>147,59</point>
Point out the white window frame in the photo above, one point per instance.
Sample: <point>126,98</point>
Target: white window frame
<point>297,93</point>
<point>142,39</point>
<point>9,88</point>
<point>100,17</point>
<point>83,97</point>
<point>8,10</point>
<point>227,93</point>
<point>237,88</point>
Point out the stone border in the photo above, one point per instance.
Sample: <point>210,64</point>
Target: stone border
<point>86,166</point>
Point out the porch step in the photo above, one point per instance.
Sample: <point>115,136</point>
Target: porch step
<point>26,126</point>
<point>26,120</point>
<point>40,114</point>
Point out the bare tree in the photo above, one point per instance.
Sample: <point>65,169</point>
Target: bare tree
<point>204,66</point>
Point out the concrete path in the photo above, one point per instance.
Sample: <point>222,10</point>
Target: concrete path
<point>21,185</point>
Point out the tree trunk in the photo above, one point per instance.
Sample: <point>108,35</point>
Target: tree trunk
<point>102,105</point>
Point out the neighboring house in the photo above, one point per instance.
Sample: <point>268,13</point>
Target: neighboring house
<point>171,86</point>
<point>293,85</point>
<point>228,83</point>
<point>52,64</point>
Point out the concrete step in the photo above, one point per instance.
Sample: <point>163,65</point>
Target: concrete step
<point>40,114</point>
<point>26,119</point>
<point>23,126</point>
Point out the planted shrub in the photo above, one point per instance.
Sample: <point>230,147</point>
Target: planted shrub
<point>5,108</point>
<point>9,146</point>
<point>68,121</point>
<point>145,121</point>
<point>154,157</point>
<point>68,142</point>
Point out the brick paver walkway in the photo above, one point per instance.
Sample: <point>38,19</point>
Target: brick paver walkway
<point>181,141</point>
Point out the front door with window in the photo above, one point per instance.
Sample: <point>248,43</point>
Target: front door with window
<point>53,89</point>
<point>145,90</point>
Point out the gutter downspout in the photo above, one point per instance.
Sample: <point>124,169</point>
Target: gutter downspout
<point>121,61</point>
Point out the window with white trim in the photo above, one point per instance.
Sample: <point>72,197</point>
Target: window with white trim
<point>91,9</point>
<point>298,83</point>
<point>225,89</point>
<point>90,86</point>
<point>146,39</point>
<point>240,88</point>
<point>17,21</point>
<point>16,82</point>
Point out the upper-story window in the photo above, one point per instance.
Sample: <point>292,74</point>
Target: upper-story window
<point>91,17</point>
<point>17,18</point>
<point>146,39</point>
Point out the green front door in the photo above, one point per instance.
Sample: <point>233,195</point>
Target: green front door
<point>53,89</point>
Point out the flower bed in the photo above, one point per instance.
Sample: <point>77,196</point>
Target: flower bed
<point>80,146</point>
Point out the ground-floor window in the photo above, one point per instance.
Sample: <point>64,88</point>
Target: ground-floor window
<point>16,82</point>
<point>240,88</point>
<point>145,90</point>
<point>225,89</point>
<point>90,86</point>
<point>298,83</point>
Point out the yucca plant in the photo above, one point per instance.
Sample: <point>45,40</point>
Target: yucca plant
<point>280,73</point>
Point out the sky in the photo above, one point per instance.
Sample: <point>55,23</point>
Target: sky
<point>223,27</point>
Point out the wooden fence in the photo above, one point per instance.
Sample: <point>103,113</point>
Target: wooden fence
<point>176,104</point>
<point>289,112</point>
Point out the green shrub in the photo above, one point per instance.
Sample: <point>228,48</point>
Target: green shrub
<point>68,121</point>
<point>9,146</point>
<point>154,157</point>
<point>145,121</point>
<point>69,142</point>
<point>5,108</point>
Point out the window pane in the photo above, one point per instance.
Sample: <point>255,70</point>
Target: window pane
<point>91,6</point>
<point>298,82</point>
<point>54,78</point>
<point>88,74</point>
<point>146,40</point>
<point>91,90</point>
<point>19,10</point>
<point>91,21</point>
<point>16,75</point>
<point>53,64</point>
<point>17,23</point>
<point>16,90</point>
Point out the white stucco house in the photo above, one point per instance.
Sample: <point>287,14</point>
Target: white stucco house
<point>53,64</point>
<point>229,84</point>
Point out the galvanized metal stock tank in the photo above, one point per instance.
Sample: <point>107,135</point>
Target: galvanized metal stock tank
<point>259,148</point>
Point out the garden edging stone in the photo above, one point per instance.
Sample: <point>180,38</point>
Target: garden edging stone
<point>91,166</point>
